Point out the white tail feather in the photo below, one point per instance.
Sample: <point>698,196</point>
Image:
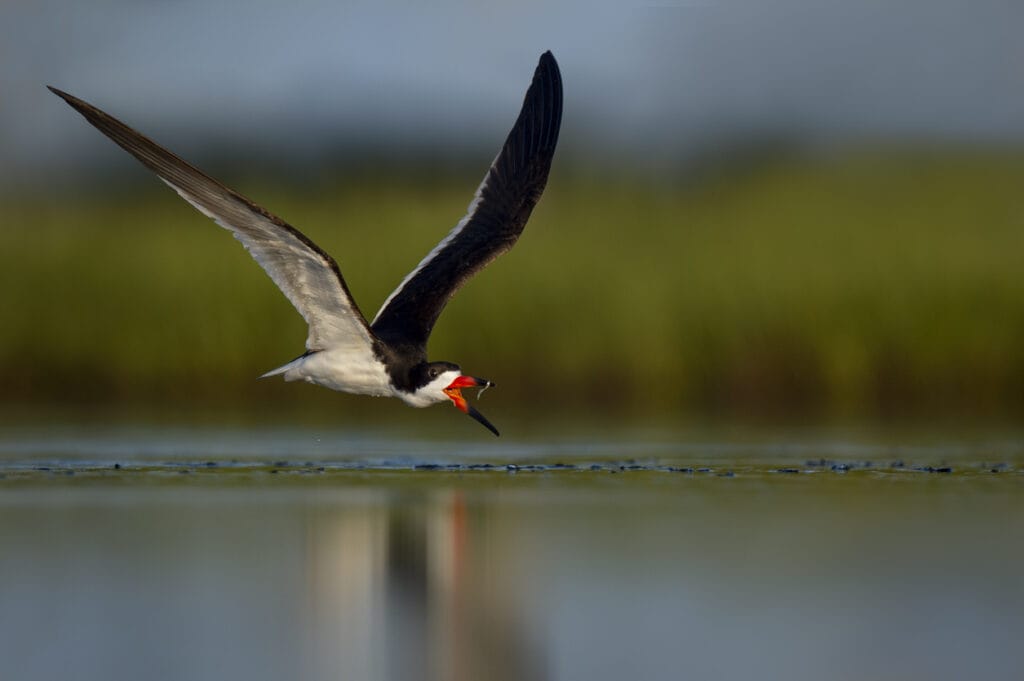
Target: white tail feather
<point>284,369</point>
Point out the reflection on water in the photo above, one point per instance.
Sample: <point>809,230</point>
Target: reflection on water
<point>394,594</point>
<point>557,575</point>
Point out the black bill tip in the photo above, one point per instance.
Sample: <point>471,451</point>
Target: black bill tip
<point>471,411</point>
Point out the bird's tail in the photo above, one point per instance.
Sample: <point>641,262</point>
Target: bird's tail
<point>285,368</point>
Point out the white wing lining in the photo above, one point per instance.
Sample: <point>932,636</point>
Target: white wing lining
<point>302,275</point>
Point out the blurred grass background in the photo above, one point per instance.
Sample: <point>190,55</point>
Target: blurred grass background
<point>858,282</point>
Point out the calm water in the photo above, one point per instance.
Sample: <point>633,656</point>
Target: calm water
<point>284,555</point>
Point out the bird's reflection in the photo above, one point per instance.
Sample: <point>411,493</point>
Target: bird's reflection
<point>415,588</point>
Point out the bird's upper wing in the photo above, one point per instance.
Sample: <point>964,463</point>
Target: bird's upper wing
<point>496,216</point>
<point>307,276</point>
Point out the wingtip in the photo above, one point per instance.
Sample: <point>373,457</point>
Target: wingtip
<point>547,59</point>
<point>548,69</point>
<point>70,99</point>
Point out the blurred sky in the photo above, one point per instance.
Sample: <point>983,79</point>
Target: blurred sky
<point>645,84</point>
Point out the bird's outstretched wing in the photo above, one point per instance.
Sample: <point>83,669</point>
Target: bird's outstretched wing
<point>496,216</point>
<point>307,276</point>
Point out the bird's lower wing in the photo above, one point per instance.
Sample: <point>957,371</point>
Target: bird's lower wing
<point>307,276</point>
<point>494,221</point>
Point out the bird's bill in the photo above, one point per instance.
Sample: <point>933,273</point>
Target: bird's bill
<point>482,419</point>
<point>454,393</point>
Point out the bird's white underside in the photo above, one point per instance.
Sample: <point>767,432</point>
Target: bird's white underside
<point>342,371</point>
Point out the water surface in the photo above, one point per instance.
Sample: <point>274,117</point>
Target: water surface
<point>221,554</point>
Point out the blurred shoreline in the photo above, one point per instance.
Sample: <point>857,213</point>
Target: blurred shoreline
<point>865,282</point>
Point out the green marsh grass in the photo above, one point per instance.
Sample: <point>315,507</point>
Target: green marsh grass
<point>867,282</point>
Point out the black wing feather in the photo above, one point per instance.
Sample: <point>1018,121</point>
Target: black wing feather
<point>496,217</point>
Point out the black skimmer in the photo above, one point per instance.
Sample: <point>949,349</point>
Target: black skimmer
<point>388,356</point>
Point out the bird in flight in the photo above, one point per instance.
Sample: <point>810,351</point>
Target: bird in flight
<point>388,356</point>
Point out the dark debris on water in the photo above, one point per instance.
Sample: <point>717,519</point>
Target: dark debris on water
<point>626,467</point>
